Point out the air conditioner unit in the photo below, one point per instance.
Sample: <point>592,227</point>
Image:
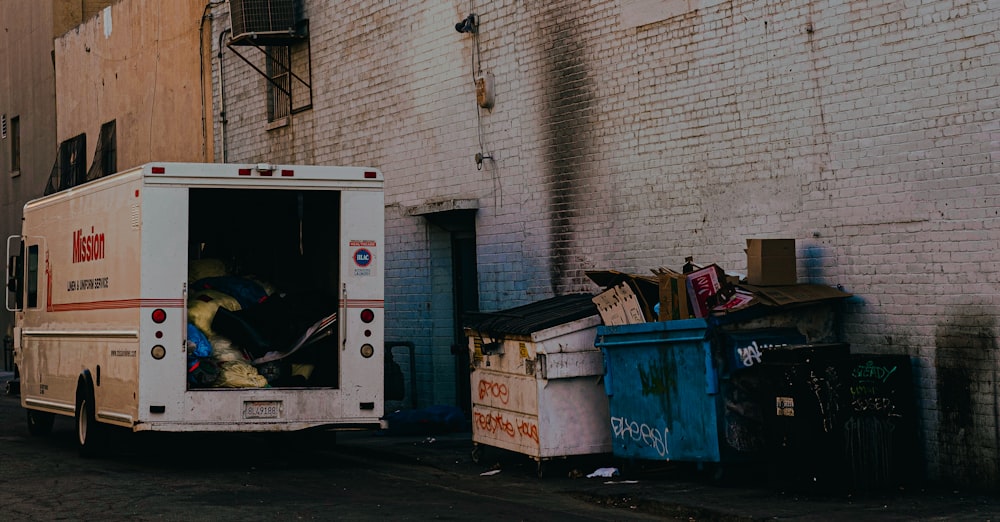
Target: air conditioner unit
<point>263,22</point>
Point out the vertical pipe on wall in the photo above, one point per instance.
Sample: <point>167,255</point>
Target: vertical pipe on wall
<point>222,100</point>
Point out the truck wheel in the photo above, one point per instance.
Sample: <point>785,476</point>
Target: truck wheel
<point>88,431</point>
<point>40,422</point>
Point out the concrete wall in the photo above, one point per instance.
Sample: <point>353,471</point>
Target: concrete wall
<point>630,134</point>
<point>27,91</point>
<point>139,63</point>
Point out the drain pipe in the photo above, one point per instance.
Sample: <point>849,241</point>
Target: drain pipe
<point>222,99</point>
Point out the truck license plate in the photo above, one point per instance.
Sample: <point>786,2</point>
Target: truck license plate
<point>262,409</point>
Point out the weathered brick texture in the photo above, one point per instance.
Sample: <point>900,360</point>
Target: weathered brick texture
<point>868,131</point>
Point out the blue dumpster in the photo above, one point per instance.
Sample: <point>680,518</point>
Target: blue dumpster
<point>662,386</point>
<point>686,390</point>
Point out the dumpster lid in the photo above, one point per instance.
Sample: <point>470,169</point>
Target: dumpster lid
<point>530,318</point>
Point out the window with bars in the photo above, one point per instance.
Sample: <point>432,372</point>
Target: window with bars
<point>106,156</point>
<point>70,167</point>
<point>279,88</point>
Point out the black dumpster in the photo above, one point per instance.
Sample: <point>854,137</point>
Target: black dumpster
<point>803,425</point>
<point>880,428</point>
<point>838,421</point>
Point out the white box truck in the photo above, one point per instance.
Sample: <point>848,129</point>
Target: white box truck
<point>103,285</point>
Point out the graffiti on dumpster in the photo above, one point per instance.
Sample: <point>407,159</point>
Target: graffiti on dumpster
<point>879,421</point>
<point>655,379</point>
<point>869,391</point>
<point>626,429</point>
<point>824,387</point>
<point>528,429</point>
<point>744,420</point>
<point>751,354</point>
<point>497,390</point>
<point>870,371</point>
<point>875,405</point>
<point>496,424</point>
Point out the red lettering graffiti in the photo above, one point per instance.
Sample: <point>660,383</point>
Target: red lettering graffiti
<point>497,390</point>
<point>494,423</point>
<point>528,429</point>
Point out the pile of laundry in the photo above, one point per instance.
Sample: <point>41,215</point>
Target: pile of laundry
<point>242,331</point>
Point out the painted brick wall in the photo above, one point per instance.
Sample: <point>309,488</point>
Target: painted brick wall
<point>866,131</point>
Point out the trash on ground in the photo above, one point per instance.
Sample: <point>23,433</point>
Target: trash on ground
<point>604,472</point>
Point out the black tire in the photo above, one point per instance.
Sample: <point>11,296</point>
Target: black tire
<point>40,422</point>
<point>89,433</point>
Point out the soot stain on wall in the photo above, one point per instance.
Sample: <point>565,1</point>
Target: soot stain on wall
<point>567,135</point>
<point>966,364</point>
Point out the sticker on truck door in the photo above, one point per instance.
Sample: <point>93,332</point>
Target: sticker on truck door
<point>363,256</point>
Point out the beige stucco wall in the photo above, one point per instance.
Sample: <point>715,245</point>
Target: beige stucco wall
<point>27,91</point>
<point>138,63</point>
<point>67,14</point>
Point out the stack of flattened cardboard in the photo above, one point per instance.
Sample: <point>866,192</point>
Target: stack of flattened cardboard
<point>626,299</point>
<point>619,305</point>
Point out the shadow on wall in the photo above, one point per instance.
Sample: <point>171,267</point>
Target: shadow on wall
<point>812,260</point>
<point>966,363</point>
<point>813,257</point>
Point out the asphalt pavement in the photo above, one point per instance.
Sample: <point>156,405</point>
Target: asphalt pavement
<point>673,490</point>
<point>677,490</point>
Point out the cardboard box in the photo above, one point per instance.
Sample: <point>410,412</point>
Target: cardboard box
<point>673,295</point>
<point>618,305</point>
<point>771,262</point>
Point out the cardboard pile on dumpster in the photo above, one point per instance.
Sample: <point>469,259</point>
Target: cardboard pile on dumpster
<point>708,292</point>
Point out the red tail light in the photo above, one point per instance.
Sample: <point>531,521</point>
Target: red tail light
<point>367,315</point>
<point>159,315</point>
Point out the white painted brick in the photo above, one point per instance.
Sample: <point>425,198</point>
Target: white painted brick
<point>879,130</point>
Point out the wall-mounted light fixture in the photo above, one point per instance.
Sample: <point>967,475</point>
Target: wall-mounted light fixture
<point>469,25</point>
<point>480,157</point>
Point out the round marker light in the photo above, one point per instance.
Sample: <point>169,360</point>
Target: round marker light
<point>367,350</point>
<point>367,315</point>
<point>159,315</point>
<point>158,352</point>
